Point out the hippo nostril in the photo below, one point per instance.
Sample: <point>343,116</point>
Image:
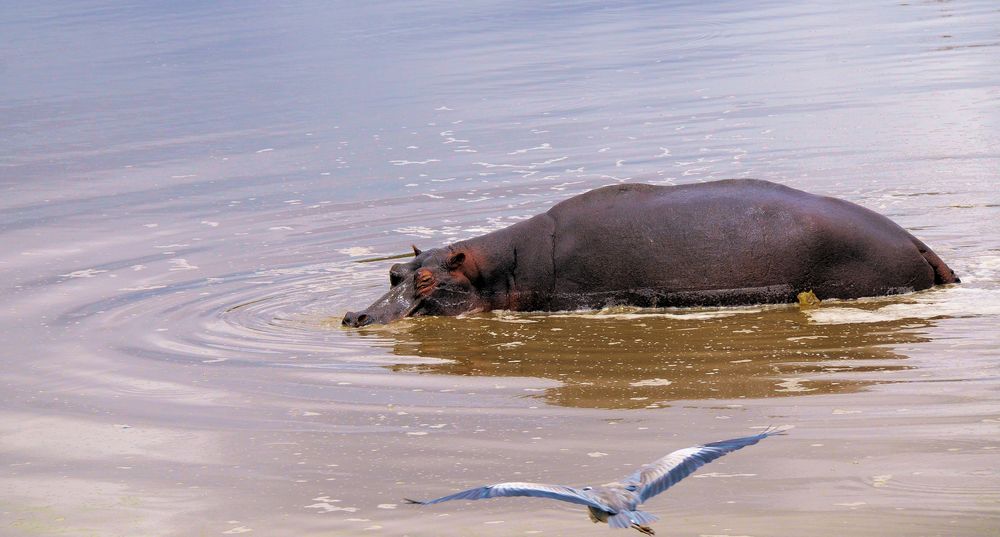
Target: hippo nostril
<point>356,320</point>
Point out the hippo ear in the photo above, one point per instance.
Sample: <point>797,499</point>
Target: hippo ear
<point>455,260</point>
<point>424,280</point>
<point>416,251</point>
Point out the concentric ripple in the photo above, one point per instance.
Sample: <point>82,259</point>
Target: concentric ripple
<point>278,317</point>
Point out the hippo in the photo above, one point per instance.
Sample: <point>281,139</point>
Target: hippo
<point>722,243</point>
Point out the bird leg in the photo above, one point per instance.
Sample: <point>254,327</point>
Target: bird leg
<point>645,530</point>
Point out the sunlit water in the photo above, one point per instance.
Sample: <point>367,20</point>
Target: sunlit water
<point>193,195</point>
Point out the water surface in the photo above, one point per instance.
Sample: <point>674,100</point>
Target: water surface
<point>194,194</point>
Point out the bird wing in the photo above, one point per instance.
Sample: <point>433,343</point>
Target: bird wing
<point>658,476</point>
<point>536,490</point>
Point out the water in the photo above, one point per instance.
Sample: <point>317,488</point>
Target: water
<point>194,194</point>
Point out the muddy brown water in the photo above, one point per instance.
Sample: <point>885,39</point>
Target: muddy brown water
<point>194,194</point>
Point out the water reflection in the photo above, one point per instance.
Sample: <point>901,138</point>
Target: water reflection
<point>630,359</point>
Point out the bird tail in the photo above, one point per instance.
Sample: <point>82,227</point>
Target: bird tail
<point>626,519</point>
<point>418,502</point>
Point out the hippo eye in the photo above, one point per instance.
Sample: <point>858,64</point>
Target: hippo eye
<point>631,488</point>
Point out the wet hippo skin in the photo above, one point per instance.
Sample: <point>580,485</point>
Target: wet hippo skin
<point>721,243</point>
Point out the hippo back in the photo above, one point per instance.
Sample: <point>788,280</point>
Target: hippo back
<point>725,242</point>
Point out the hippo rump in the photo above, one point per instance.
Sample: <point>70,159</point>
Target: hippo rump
<point>722,243</point>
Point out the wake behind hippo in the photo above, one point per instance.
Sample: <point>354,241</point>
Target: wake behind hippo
<point>722,243</point>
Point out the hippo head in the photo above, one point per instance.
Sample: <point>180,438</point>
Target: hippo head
<point>435,282</point>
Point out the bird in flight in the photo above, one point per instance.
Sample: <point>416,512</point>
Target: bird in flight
<point>616,502</point>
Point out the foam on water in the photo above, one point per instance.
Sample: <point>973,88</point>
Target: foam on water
<point>957,301</point>
<point>625,313</point>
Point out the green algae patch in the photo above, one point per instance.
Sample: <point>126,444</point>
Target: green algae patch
<point>808,299</point>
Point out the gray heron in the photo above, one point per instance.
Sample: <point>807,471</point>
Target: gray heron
<point>616,502</point>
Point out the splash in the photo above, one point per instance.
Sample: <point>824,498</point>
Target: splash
<point>951,302</point>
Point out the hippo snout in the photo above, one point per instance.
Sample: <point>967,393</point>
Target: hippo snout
<point>356,320</point>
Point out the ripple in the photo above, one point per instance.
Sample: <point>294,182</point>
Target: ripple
<point>944,484</point>
<point>279,317</point>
